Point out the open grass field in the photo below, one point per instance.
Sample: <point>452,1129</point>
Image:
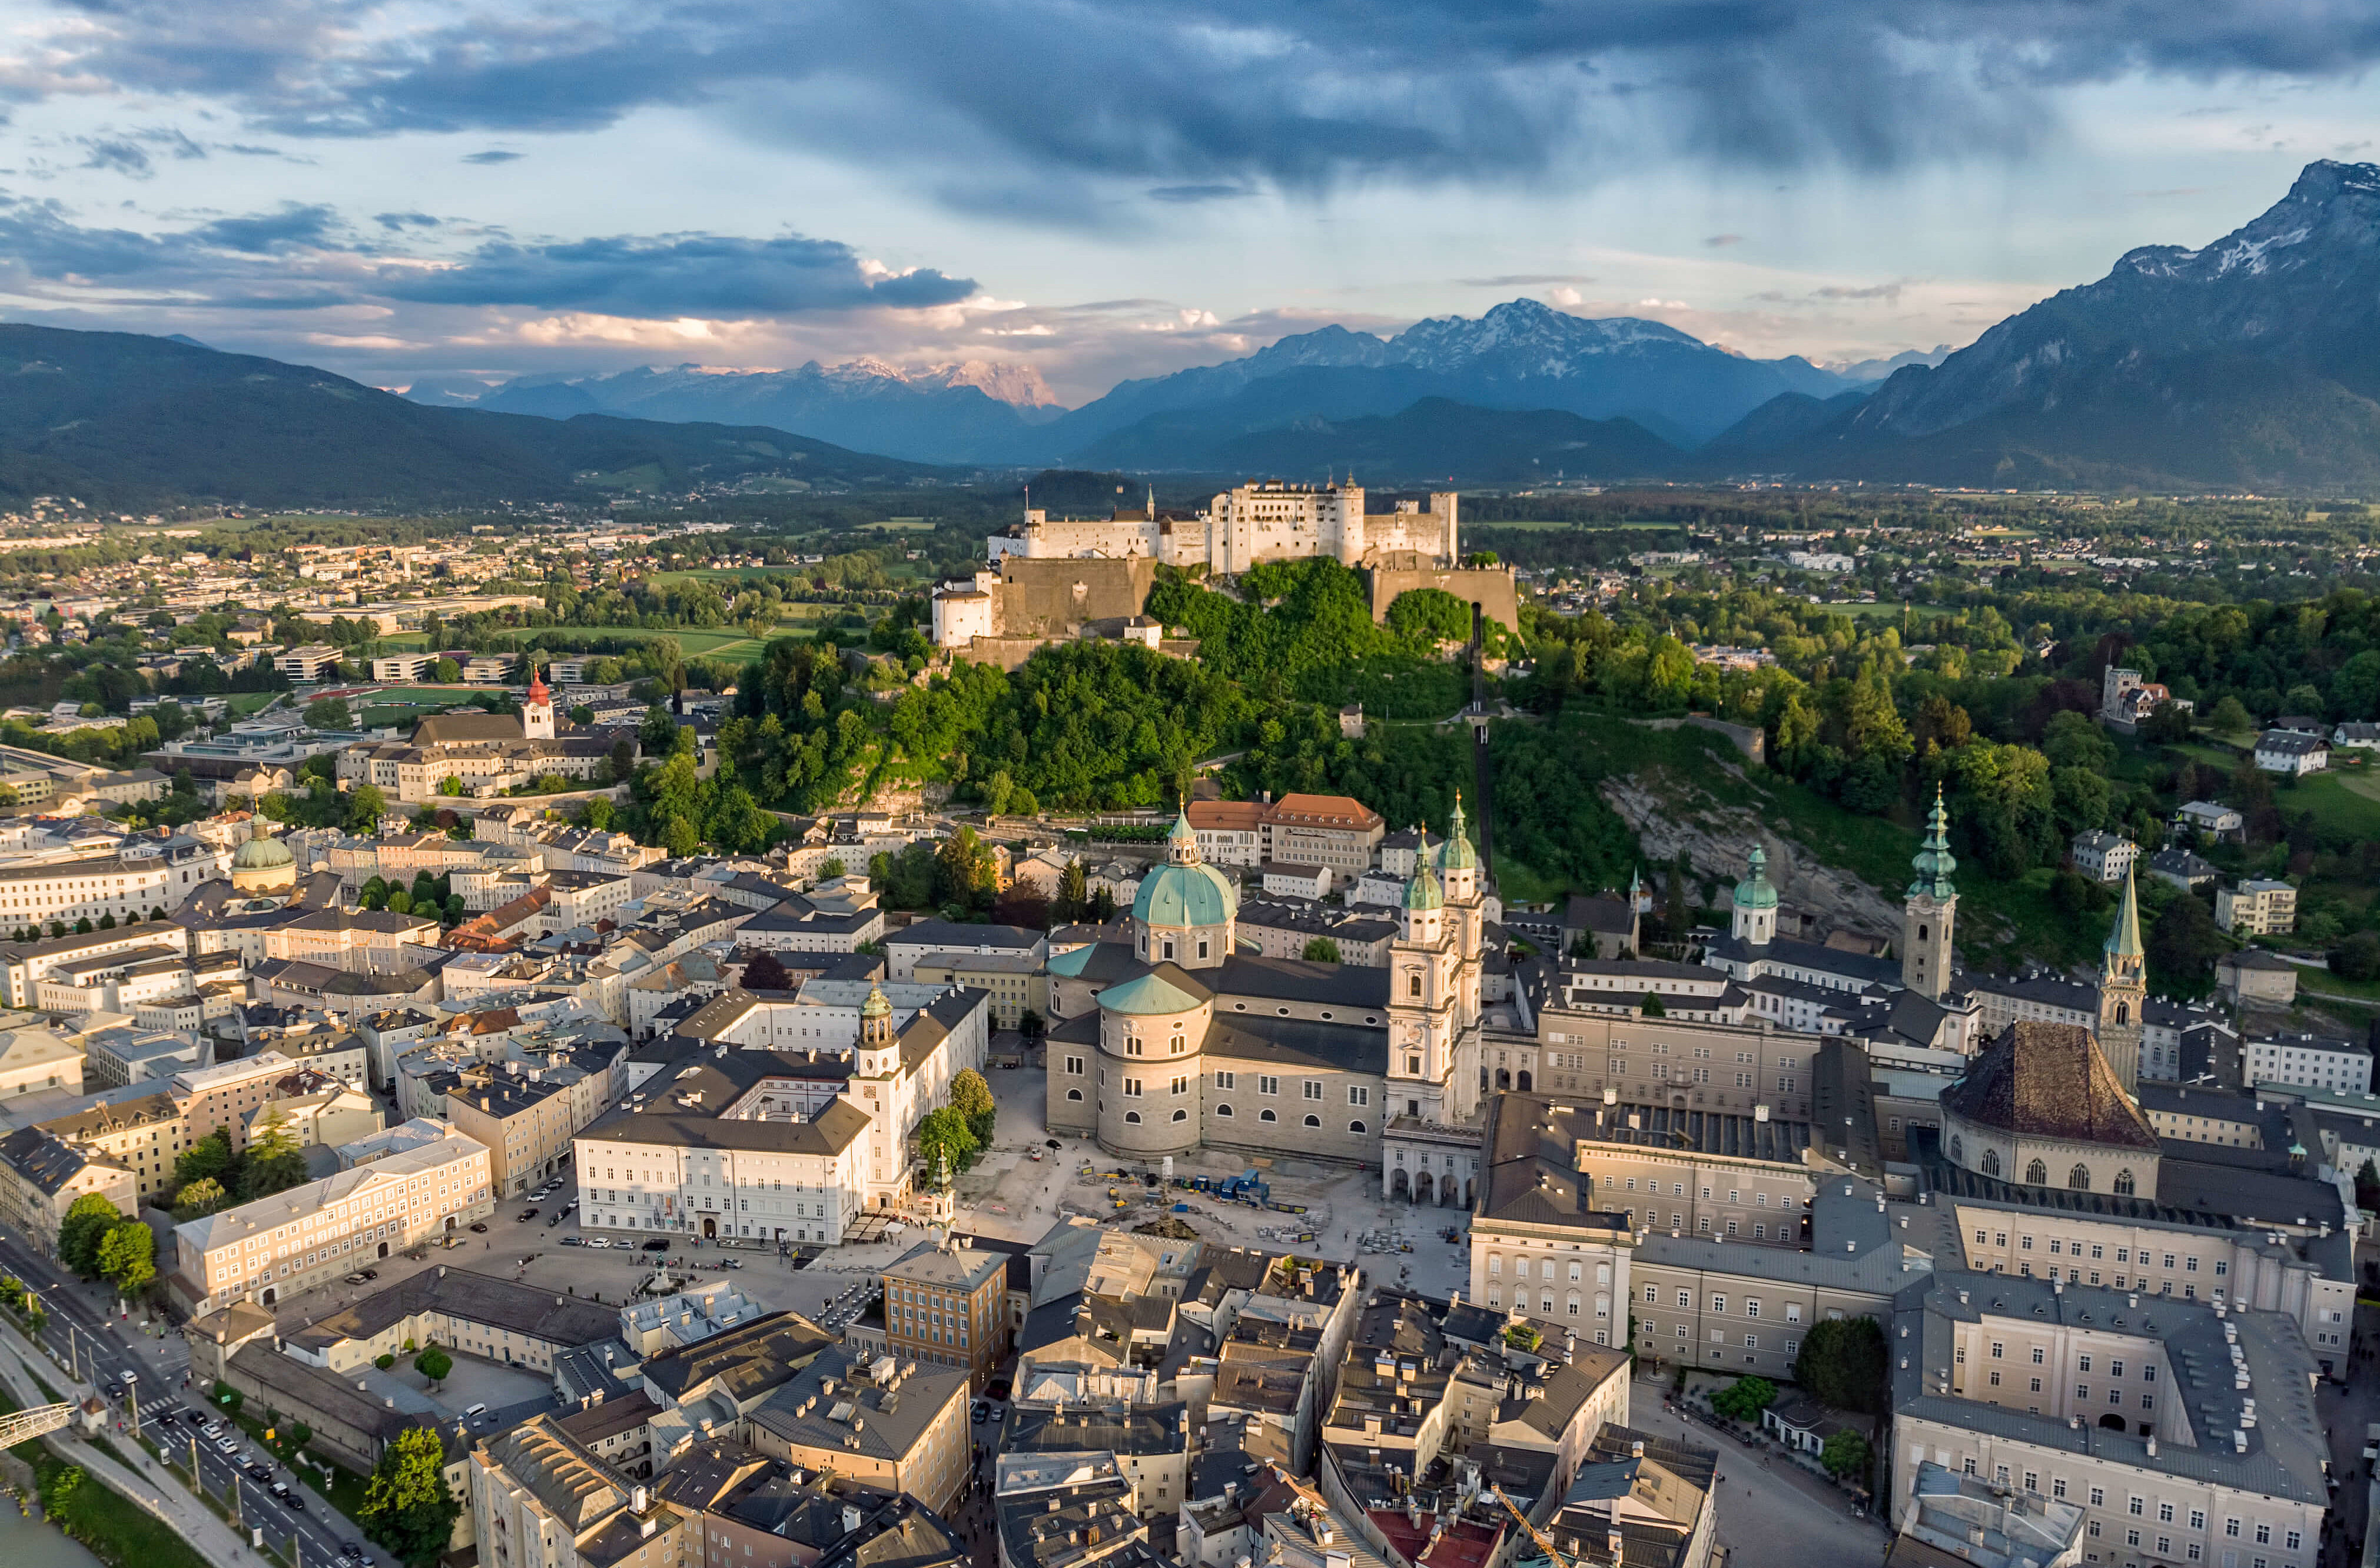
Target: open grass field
<point>243,703</point>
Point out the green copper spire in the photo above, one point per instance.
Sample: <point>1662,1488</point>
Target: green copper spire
<point>1755,890</point>
<point>1456,853</point>
<point>1934,861</point>
<point>2124,941</point>
<point>1422,891</point>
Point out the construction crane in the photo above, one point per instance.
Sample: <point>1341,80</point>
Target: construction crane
<point>1553,1554</point>
<point>24,1424</point>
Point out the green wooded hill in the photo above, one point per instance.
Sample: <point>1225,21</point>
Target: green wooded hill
<point>118,418</point>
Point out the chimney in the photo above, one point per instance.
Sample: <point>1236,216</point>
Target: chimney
<point>850,1518</point>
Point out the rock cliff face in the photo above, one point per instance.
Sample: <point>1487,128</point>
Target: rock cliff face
<point>1717,841</point>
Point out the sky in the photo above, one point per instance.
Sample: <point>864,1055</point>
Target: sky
<point>433,191</point>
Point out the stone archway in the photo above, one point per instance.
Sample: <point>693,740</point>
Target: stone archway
<point>1399,1187</point>
<point>271,1294</point>
<point>1524,1080</point>
<point>384,1250</point>
<point>1503,1078</point>
<point>1425,1189</point>
<point>1447,1194</point>
<point>710,1228</point>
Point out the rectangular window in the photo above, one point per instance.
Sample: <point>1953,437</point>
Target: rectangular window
<point>1225,1080</point>
<point>1358,1095</point>
<point>1075,1065</point>
<point>1313,1089</point>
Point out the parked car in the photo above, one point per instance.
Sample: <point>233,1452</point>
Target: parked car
<point>371,1273</point>
<point>224,1445</point>
<point>354,1280</point>
<point>597,1242</point>
<point>480,1226</point>
<point>296,1503</point>
<point>658,1244</point>
<point>528,1214</point>
<point>570,1241</point>
<point>256,1472</point>
<point>555,1221</point>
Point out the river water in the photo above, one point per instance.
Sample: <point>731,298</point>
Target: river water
<point>24,1544</point>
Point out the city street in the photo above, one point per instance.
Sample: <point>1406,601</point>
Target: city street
<point>1771,1515</point>
<point>85,1332</point>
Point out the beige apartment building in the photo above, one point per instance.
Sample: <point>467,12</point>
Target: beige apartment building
<point>899,1425</point>
<point>2258,907</point>
<point>526,1126</point>
<point>293,1241</point>
<point>229,1096</point>
<point>948,1308</point>
<point>1699,1065</point>
<point>41,1176</point>
<point>1017,982</point>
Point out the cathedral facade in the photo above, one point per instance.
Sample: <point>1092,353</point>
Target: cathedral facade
<point>1176,1041</point>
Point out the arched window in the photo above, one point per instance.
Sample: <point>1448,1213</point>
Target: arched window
<point>1313,1121</point>
<point>1412,983</point>
<point>2124,1183</point>
<point>1958,1154</point>
<point>1132,1118</point>
<point>1356,1127</point>
<point>1075,1094</point>
<point>2123,1012</point>
<point>2079,1178</point>
<point>1267,1115</point>
<point>2037,1174</point>
<point>1921,933</point>
<point>1222,1110</point>
<point>1991,1162</point>
<point>1182,1115</point>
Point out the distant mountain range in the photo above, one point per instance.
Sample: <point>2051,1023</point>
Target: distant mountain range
<point>2251,362</point>
<point>1522,355</point>
<point>118,418</point>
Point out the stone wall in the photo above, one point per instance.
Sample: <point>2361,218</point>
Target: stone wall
<point>1043,598</point>
<point>1490,588</point>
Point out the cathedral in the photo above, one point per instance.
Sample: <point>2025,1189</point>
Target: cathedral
<point>478,754</point>
<point>1174,1039</point>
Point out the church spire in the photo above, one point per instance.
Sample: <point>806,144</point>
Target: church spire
<point>2123,950</point>
<point>1934,862</point>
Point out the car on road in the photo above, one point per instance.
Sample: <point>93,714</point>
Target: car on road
<point>353,1279</point>
<point>480,1226</point>
<point>129,1376</point>
<point>279,1489</point>
<point>212,1427</point>
<point>658,1244</point>
<point>224,1445</point>
<point>296,1504</point>
<point>352,1549</point>
<point>979,1413</point>
<point>571,1241</point>
<point>256,1471</point>
<point>555,1221</point>
<point>597,1242</point>
<point>527,1215</point>
<point>371,1273</point>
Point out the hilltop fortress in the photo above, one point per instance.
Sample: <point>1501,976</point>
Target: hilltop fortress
<point>1057,579</point>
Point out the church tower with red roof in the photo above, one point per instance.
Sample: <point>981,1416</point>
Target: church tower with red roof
<point>537,709</point>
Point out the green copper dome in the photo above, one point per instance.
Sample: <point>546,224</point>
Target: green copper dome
<point>1934,862</point>
<point>1186,891</point>
<point>1422,891</point>
<point>1456,853</point>
<point>262,855</point>
<point>1753,892</point>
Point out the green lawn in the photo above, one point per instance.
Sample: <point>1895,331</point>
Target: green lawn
<point>243,703</point>
<point>2344,805</point>
<point>691,640</point>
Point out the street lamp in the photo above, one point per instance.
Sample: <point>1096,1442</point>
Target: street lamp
<point>132,1398</point>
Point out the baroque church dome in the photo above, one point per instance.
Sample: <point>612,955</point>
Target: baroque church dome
<point>1185,891</point>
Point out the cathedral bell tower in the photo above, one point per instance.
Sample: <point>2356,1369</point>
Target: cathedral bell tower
<point>2123,992</point>
<point>1929,910</point>
<point>1424,1005</point>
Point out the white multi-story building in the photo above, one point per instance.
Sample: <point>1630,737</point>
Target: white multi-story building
<point>743,1137</point>
<point>308,1235</point>
<point>2104,856</point>
<point>2316,1062</point>
<point>2258,907</point>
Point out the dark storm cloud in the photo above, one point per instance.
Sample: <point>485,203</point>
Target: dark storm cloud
<point>1203,97</point>
<point>293,225</point>
<point>673,276</point>
<point>302,257</point>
